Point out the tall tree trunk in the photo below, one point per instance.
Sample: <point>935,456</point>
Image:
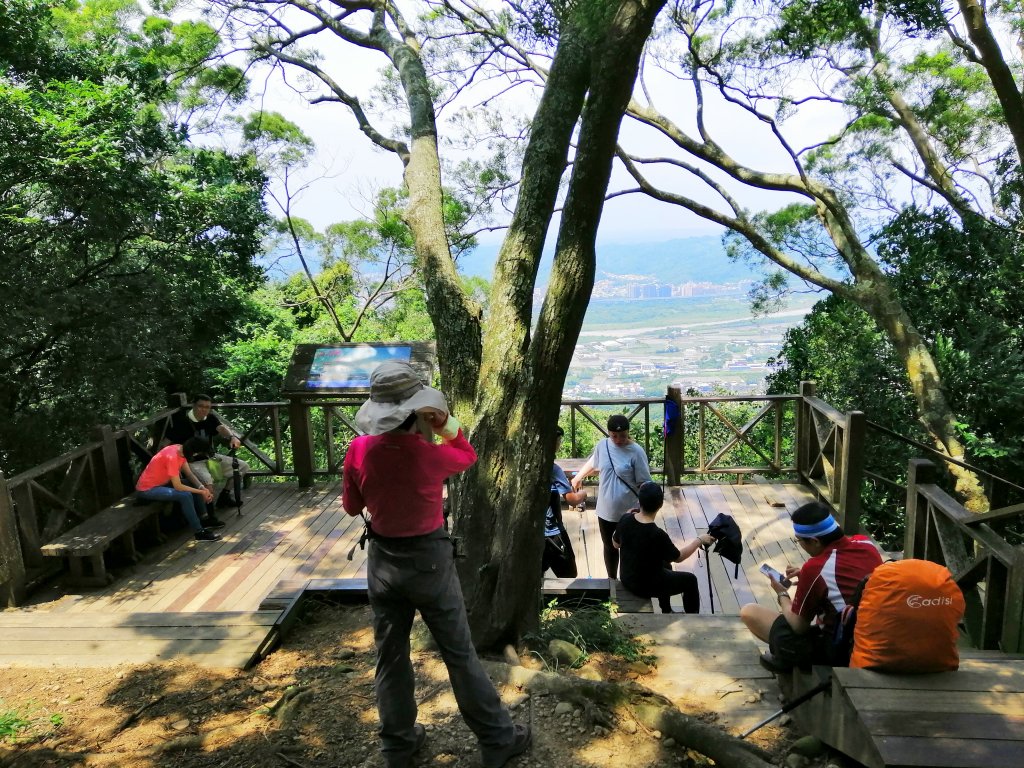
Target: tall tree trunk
<point>501,509</point>
<point>455,317</point>
<point>873,293</point>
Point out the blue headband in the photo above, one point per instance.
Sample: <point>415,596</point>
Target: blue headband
<point>816,530</point>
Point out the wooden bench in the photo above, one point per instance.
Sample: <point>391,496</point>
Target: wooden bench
<point>85,544</point>
<point>972,718</point>
<point>628,602</point>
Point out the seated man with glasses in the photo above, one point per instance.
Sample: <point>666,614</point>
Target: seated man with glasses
<point>202,421</point>
<point>803,631</point>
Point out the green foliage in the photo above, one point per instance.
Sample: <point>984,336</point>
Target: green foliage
<point>590,628</point>
<point>127,253</point>
<point>806,25</point>
<point>27,723</point>
<point>957,280</point>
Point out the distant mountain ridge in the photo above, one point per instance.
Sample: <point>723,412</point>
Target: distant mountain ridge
<point>690,259</point>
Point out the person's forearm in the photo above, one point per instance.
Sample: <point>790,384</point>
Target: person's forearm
<point>689,548</point>
<point>585,471</point>
<point>180,486</point>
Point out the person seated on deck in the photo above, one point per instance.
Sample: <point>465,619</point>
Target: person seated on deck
<point>803,632</point>
<point>648,552</point>
<point>558,552</point>
<point>202,421</point>
<point>161,481</point>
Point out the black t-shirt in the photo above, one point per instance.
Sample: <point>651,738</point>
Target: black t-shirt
<point>182,427</point>
<point>644,548</point>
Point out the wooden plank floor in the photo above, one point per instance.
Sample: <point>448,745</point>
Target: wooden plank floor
<point>234,639</point>
<point>287,533</point>
<point>291,535</point>
<point>972,718</point>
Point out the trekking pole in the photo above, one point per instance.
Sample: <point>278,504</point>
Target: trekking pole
<point>707,567</point>
<point>236,482</point>
<point>821,688</point>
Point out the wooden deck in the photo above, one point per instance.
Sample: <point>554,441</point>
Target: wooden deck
<point>293,536</point>
<point>286,533</point>
<point>972,718</point>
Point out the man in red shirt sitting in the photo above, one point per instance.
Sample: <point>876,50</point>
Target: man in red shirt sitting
<point>397,476</point>
<point>803,632</point>
<point>161,481</point>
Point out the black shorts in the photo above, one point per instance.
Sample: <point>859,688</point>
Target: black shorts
<point>793,650</point>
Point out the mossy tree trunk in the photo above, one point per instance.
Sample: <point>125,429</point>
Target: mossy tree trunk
<point>503,377</point>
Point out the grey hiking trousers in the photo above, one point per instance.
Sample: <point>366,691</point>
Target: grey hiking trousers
<point>418,573</point>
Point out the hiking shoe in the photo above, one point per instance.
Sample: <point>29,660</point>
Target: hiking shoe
<point>520,743</point>
<point>404,759</point>
<point>225,500</point>
<point>207,535</point>
<point>213,522</point>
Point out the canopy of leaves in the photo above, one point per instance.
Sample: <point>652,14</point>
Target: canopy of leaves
<point>958,280</point>
<point>127,253</point>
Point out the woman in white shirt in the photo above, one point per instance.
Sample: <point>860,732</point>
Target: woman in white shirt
<point>623,468</point>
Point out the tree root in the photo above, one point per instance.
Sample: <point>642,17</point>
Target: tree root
<point>287,707</point>
<point>648,708</point>
<point>135,715</point>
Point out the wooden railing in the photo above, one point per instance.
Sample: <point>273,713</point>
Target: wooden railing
<point>830,454</point>
<point>596,413</point>
<point>301,438</point>
<point>38,505</point>
<point>711,437</point>
<point>989,570</point>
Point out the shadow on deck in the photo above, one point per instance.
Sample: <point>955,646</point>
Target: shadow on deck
<point>287,536</point>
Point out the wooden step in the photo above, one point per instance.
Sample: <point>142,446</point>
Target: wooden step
<point>230,639</point>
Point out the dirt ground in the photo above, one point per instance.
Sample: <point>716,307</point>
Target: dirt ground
<point>310,703</point>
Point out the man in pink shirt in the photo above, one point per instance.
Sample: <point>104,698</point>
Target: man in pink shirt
<point>161,481</point>
<point>397,475</point>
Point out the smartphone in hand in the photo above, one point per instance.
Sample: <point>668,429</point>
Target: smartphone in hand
<point>771,573</point>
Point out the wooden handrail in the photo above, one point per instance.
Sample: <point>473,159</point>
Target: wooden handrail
<point>819,405</point>
<point>940,529</point>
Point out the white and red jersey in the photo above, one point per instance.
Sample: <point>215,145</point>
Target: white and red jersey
<point>827,581</point>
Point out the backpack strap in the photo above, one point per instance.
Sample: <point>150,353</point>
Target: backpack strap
<point>615,472</point>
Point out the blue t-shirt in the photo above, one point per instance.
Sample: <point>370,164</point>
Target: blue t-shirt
<point>560,484</point>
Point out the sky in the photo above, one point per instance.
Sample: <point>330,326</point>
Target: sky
<point>347,168</point>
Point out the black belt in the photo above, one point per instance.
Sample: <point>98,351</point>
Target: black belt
<point>440,533</point>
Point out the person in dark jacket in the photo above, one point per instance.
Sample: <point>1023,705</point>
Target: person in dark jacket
<point>648,552</point>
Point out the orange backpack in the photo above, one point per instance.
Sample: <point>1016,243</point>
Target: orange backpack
<point>907,619</point>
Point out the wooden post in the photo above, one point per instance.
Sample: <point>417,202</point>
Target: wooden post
<point>674,459</point>
<point>1012,640</point>
<point>302,441</point>
<point>853,471</point>
<point>112,474</point>
<point>919,472</point>
<point>804,424</point>
<point>12,567</point>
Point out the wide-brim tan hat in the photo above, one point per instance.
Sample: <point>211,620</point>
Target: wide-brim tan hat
<point>396,390</point>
